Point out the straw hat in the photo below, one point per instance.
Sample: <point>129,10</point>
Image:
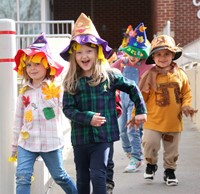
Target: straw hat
<point>163,42</point>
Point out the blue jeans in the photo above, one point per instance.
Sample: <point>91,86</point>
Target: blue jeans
<point>130,138</point>
<point>54,162</point>
<point>91,161</point>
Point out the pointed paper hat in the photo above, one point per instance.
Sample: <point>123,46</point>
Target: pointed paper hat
<point>84,32</point>
<point>163,42</point>
<point>39,46</point>
<point>138,45</point>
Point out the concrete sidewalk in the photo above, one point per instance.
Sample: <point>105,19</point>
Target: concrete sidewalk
<point>188,170</point>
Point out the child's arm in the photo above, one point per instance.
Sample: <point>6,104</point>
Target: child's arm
<point>71,111</point>
<point>187,97</point>
<point>18,123</point>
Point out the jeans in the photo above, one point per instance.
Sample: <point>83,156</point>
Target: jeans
<point>54,162</point>
<point>91,162</point>
<point>130,138</point>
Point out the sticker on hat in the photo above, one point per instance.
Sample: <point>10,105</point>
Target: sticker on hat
<point>137,44</point>
<point>85,32</point>
<point>163,42</point>
<point>40,48</point>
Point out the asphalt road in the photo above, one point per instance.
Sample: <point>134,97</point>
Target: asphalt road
<point>188,169</point>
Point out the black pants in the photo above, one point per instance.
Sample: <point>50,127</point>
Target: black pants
<point>110,166</point>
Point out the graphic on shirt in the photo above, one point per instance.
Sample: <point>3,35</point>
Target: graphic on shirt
<point>28,116</point>
<point>162,93</point>
<point>48,113</point>
<point>24,134</point>
<point>51,91</point>
<point>26,100</point>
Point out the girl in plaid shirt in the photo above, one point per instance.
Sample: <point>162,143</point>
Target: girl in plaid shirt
<point>37,128</point>
<point>89,102</point>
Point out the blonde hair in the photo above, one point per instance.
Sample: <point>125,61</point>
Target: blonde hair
<point>99,74</point>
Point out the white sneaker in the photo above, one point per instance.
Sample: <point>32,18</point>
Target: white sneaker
<point>134,165</point>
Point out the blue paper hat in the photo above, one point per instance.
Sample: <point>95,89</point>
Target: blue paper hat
<point>138,45</point>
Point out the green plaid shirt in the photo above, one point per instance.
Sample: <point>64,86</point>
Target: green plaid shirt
<point>88,100</point>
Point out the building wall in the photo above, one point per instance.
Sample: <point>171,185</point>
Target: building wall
<point>185,25</point>
<point>112,17</point>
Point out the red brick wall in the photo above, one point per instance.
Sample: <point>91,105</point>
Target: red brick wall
<point>185,25</point>
<point>112,17</point>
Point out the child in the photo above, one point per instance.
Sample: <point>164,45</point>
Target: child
<point>167,94</point>
<point>89,102</point>
<point>37,129</point>
<point>136,48</point>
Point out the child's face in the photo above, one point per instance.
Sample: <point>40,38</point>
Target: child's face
<point>86,58</point>
<point>163,58</point>
<point>133,60</point>
<point>36,71</point>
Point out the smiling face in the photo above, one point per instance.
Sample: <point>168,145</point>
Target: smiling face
<point>133,60</point>
<point>36,71</point>
<point>86,58</point>
<point>163,58</point>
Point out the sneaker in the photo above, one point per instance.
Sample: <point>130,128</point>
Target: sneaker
<point>170,178</point>
<point>109,188</point>
<point>150,172</point>
<point>134,165</point>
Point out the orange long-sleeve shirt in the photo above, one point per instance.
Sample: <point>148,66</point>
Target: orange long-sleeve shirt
<point>164,105</point>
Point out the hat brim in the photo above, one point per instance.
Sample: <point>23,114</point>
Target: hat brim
<point>31,52</point>
<point>150,60</point>
<point>84,39</point>
<point>135,52</point>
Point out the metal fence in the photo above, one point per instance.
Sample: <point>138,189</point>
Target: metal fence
<point>27,31</point>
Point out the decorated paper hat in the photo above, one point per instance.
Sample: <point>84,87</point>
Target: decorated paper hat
<point>163,42</point>
<point>39,46</point>
<point>138,45</point>
<point>85,32</point>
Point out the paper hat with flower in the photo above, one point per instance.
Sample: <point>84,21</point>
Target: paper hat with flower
<point>85,32</point>
<point>136,45</point>
<point>163,42</point>
<point>37,52</point>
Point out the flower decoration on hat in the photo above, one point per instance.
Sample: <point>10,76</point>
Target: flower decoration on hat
<point>37,52</point>
<point>138,46</point>
<point>84,32</point>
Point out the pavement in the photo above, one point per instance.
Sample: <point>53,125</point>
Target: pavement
<point>188,169</point>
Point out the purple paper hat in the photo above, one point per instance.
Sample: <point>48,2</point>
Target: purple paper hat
<point>39,46</point>
<point>85,32</point>
<point>138,45</point>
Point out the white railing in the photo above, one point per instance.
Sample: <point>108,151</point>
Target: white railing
<point>27,31</point>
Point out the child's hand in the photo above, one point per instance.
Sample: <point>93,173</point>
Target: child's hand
<point>189,111</point>
<point>140,119</point>
<point>137,121</point>
<point>97,120</point>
